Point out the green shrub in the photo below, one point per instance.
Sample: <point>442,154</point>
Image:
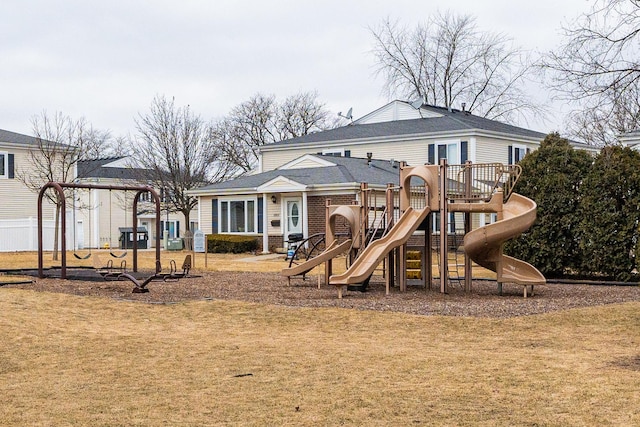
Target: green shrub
<point>552,177</point>
<point>229,243</point>
<point>610,213</point>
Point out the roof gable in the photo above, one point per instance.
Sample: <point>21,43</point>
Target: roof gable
<point>280,184</point>
<point>397,110</point>
<point>307,161</point>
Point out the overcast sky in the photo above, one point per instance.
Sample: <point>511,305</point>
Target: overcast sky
<point>106,60</point>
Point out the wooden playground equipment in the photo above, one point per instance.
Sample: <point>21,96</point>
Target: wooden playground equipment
<point>447,191</point>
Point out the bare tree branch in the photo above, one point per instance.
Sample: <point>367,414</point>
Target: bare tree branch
<point>174,150</point>
<point>598,68</point>
<point>61,142</point>
<point>262,120</point>
<point>447,61</point>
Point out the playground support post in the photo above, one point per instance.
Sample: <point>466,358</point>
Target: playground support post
<point>328,265</point>
<point>389,222</point>
<point>444,225</point>
<point>467,225</point>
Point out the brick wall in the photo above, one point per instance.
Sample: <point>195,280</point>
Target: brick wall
<point>318,212</point>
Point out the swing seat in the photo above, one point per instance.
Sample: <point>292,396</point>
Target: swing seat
<point>81,256</point>
<point>122,255</point>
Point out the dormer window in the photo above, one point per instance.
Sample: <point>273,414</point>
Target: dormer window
<point>337,152</point>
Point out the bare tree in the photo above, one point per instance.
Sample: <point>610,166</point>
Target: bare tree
<point>262,120</point>
<point>448,61</point>
<point>175,154</point>
<point>61,142</point>
<point>300,114</point>
<point>597,67</point>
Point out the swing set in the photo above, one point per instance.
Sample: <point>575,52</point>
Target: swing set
<point>59,187</point>
<point>88,254</point>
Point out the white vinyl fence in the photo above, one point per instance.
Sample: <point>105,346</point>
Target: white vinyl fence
<point>22,235</point>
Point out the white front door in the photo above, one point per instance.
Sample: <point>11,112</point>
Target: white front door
<point>293,213</point>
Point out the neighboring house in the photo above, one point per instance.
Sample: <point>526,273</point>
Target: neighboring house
<point>18,216</point>
<point>291,198</point>
<point>296,176</point>
<point>100,215</point>
<point>631,139</point>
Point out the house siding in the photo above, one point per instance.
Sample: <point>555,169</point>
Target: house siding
<point>20,202</point>
<point>101,223</point>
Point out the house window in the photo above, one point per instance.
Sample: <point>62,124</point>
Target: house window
<point>517,153</point>
<point>455,152</point>
<point>171,227</point>
<point>3,165</point>
<point>238,216</point>
<point>145,197</point>
<point>435,225</point>
<point>337,152</point>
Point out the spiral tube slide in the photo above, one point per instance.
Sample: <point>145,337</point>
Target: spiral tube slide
<point>484,245</point>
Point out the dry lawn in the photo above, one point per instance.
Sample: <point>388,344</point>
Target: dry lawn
<point>69,360</point>
<point>90,360</point>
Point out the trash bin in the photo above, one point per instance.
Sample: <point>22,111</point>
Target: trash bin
<point>293,241</point>
<point>126,237</point>
<point>175,244</point>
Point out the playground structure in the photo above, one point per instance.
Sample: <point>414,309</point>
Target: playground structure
<point>59,187</point>
<point>354,216</point>
<point>446,191</point>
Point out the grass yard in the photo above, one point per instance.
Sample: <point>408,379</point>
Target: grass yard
<point>69,360</point>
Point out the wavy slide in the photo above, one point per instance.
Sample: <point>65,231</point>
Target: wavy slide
<point>364,265</point>
<point>483,245</point>
<point>331,252</point>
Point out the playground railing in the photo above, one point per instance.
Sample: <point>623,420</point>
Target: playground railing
<point>478,182</point>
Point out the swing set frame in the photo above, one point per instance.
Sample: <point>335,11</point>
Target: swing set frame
<point>59,187</point>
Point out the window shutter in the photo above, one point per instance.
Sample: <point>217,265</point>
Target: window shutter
<point>11,172</point>
<point>528,150</point>
<point>464,151</point>
<point>214,216</point>
<point>177,229</point>
<point>347,153</point>
<point>432,154</point>
<point>260,214</point>
<point>510,155</point>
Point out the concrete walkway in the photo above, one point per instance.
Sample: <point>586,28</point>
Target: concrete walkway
<point>266,257</point>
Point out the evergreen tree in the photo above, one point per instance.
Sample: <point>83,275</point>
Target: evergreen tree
<point>552,176</point>
<point>609,214</point>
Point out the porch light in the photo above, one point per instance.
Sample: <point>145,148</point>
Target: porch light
<point>274,199</point>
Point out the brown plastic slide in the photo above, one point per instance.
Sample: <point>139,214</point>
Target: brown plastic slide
<point>483,245</point>
<point>364,265</point>
<point>332,251</point>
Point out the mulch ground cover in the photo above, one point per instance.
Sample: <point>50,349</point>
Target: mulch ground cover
<point>271,288</point>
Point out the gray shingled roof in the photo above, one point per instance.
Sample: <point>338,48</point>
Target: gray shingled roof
<point>16,138</point>
<point>8,137</point>
<point>346,170</point>
<point>450,121</point>
<point>95,169</point>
